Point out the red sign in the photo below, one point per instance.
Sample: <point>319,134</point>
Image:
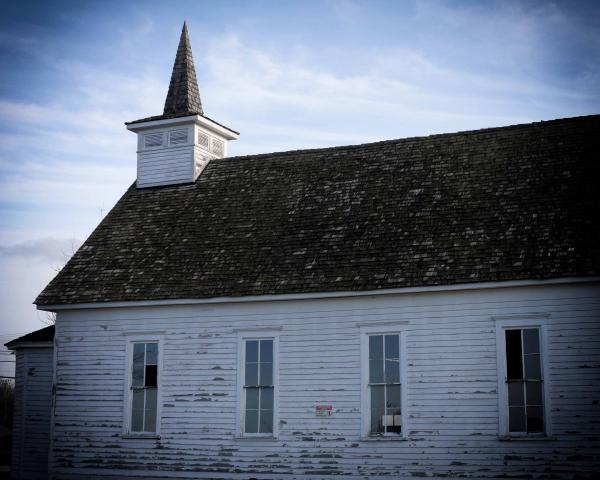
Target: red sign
<point>323,410</point>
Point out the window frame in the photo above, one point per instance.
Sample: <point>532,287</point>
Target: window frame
<point>128,391</point>
<point>243,336</point>
<point>524,322</point>
<point>365,332</point>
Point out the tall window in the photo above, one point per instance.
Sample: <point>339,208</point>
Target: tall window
<point>144,387</point>
<point>524,381</point>
<point>384,384</point>
<point>258,386</point>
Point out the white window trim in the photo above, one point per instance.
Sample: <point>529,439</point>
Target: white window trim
<point>504,323</point>
<point>128,397</point>
<point>400,329</point>
<point>256,334</point>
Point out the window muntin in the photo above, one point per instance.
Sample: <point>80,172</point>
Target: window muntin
<point>144,387</point>
<point>384,384</point>
<point>258,386</point>
<point>524,381</point>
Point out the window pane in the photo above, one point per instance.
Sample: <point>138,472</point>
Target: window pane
<point>514,366</point>
<point>252,398</point>
<point>266,421</point>
<point>534,393</point>
<point>535,419</point>
<point>266,398</point>
<point>393,396</point>
<point>392,370</point>
<point>266,374</point>
<point>251,374</point>
<point>375,370</point>
<point>393,421</point>
<point>531,340</point>
<point>516,419</point>
<point>377,416</point>
<point>377,408</point>
<point>376,346</point>
<point>137,373</point>
<point>266,351</point>
<point>137,411</point>
<point>251,351</point>
<point>151,376</point>
<point>391,346</point>
<point>151,353</point>
<point>150,410</point>
<point>532,366</point>
<point>251,423</point>
<point>515,394</point>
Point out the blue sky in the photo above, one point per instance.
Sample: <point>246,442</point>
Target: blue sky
<point>286,75</point>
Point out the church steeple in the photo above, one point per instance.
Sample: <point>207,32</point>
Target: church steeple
<point>175,147</point>
<point>183,95</point>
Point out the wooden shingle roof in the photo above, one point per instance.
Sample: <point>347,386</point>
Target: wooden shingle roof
<point>499,204</point>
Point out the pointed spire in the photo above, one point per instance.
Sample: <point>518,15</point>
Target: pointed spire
<point>183,96</point>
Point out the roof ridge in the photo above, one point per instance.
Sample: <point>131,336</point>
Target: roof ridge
<point>409,139</point>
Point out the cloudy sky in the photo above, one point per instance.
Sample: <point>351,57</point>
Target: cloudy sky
<point>287,75</point>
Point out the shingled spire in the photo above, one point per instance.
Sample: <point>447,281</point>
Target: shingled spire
<point>183,96</point>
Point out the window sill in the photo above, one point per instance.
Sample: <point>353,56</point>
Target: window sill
<point>526,438</point>
<point>387,438</point>
<point>257,439</point>
<point>140,436</point>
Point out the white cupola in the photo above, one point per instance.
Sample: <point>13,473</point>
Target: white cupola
<point>174,148</point>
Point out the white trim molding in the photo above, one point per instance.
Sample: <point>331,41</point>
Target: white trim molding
<point>318,295</point>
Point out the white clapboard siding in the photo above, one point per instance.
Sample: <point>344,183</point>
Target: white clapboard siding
<point>168,166</point>
<point>33,403</point>
<point>451,385</point>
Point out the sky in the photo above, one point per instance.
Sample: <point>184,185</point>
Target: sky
<point>286,74</point>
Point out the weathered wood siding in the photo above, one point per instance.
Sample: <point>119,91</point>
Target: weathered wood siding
<point>166,166</point>
<point>33,404</point>
<point>452,409</point>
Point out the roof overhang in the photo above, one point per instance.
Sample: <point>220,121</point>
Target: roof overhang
<point>17,345</point>
<point>323,295</point>
<point>196,119</point>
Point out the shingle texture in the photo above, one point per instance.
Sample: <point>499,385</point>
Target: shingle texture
<point>41,335</point>
<point>183,95</point>
<point>500,204</point>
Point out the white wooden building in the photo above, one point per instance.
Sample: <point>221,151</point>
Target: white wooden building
<point>425,307</point>
<point>34,365</point>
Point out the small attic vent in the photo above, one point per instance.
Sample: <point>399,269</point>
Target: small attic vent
<point>178,137</point>
<point>217,147</point>
<point>203,140</point>
<point>153,140</point>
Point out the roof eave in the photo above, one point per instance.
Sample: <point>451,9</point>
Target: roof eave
<point>197,119</point>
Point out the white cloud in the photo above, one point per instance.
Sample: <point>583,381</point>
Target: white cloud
<point>56,250</point>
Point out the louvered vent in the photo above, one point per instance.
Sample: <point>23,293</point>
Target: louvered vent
<point>217,147</point>
<point>178,137</point>
<point>153,140</point>
<point>203,140</point>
